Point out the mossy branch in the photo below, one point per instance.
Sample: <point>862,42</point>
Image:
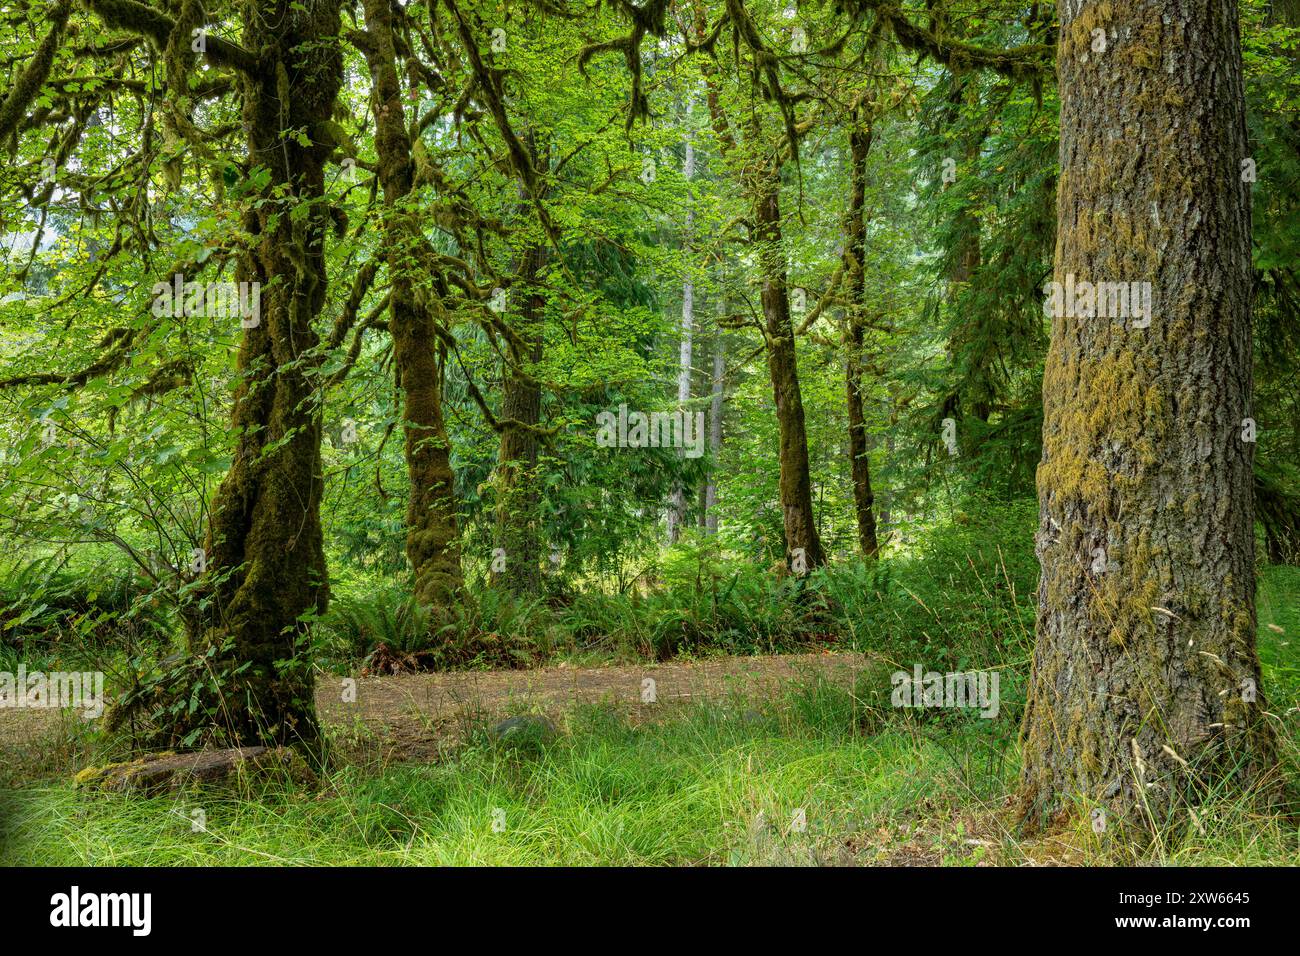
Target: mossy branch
<point>1027,61</point>
<point>114,347</point>
<point>142,19</point>
<point>648,18</point>
<point>34,74</point>
<point>521,159</point>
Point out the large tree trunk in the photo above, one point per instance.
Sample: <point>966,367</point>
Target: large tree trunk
<point>863,498</point>
<point>1142,692</point>
<point>795,482</point>
<point>264,545</point>
<point>432,536</point>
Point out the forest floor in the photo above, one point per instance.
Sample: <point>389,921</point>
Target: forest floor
<point>769,760</point>
<point>741,760</point>
<point>416,716</point>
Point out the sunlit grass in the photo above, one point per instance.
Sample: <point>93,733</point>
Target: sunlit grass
<point>718,783</point>
<point>688,790</point>
<point>712,784</point>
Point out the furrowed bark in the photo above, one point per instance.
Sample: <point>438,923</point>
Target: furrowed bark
<point>1144,692</point>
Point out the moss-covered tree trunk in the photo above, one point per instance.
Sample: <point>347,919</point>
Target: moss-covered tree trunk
<point>801,538</point>
<point>1144,690</point>
<point>519,529</point>
<point>264,545</point>
<point>432,536</point>
<point>863,498</point>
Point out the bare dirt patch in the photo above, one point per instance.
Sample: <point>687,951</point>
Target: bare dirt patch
<point>417,715</point>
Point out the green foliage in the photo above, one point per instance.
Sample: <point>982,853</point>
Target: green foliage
<point>117,419</point>
<point>962,599</point>
<point>354,626</point>
<point>53,610</point>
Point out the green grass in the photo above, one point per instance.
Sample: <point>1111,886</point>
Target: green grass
<point>691,788</point>
<point>688,790</point>
<point>711,784</point>
<point>1278,604</point>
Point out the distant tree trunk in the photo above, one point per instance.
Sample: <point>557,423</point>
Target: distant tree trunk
<point>1279,515</point>
<point>863,500</point>
<point>1144,690</point>
<point>1285,13</point>
<point>519,496</point>
<point>760,181</point>
<point>677,514</point>
<point>1278,512</point>
<point>885,514</point>
<point>264,549</point>
<point>764,188</point>
<point>432,537</point>
<point>715,430</point>
<point>968,341</point>
<point>968,338</point>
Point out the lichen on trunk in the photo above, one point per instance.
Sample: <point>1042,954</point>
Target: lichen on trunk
<point>1145,692</point>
